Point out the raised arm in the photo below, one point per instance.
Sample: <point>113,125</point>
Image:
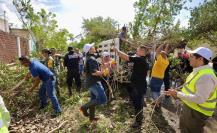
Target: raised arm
<point>167,49</point>
<point>158,50</point>
<point>121,54</point>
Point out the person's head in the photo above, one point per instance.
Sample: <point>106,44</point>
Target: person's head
<point>53,51</point>
<point>179,55</point>
<point>70,48</point>
<point>200,56</point>
<point>124,29</point>
<point>46,52</point>
<point>89,48</point>
<point>25,61</point>
<point>77,50</point>
<point>141,51</point>
<point>106,56</point>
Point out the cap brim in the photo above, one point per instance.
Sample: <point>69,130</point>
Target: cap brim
<point>191,51</point>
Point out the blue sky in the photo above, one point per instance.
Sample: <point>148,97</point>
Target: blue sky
<point>71,12</point>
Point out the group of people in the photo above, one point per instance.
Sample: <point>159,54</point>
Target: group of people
<point>199,93</point>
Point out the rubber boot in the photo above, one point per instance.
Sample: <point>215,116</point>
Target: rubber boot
<point>92,117</point>
<point>83,109</point>
<point>70,90</point>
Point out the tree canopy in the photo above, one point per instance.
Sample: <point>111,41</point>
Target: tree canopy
<point>203,23</point>
<point>154,16</point>
<point>98,29</point>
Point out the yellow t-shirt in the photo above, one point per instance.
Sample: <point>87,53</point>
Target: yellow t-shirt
<point>108,67</point>
<point>50,63</point>
<point>159,67</point>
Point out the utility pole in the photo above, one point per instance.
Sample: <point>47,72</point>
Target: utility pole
<point>5,25</point>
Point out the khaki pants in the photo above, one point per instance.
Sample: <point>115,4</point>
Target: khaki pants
<point>191,121</point>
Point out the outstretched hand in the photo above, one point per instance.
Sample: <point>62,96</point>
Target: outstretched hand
<point>171,92</point>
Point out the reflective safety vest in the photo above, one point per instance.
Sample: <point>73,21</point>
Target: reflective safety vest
<point>208,107</point>
<point>3,127</point>
<point>4,117</point>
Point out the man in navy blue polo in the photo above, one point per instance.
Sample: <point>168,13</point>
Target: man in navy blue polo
<point>41,72</point>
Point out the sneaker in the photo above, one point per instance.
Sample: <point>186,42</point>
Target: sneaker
<point>84,111</point>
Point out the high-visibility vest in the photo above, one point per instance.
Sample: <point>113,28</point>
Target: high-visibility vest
<point>3,127</point>
<point>208,107</point>
<point>4,117</point>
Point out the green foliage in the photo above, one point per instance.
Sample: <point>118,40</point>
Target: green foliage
<point>203,23</point>
<point>9,76</point>
<point>152,17</point>
<point>97,29</point>
<point>42,25</point>
<point>173,34</point>
<point>58,39</point>
<point>87,39</point>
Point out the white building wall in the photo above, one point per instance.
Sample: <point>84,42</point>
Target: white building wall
<point>4,26</point>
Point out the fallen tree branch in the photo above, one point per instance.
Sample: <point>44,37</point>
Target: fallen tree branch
<point>55,129</point>
<point>17,85</point>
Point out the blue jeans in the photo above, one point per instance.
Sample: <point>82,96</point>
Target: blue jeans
<point>155,85</point>
<point>48,87</point>
<point>97,93</point>
<point>81,69</point>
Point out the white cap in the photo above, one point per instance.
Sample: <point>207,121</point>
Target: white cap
<point>104,54</point>
<point>87,47</point>
<point>202,51</point>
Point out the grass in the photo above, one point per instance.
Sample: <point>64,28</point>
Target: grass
<point>115,117</point>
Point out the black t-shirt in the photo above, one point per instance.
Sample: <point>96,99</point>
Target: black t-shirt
<point>91,66</point>
<point>71,61</point>
<point>140,69</point>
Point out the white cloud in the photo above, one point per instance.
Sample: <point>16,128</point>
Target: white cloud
<point>73,11</point>
<point>10,13</point>
<point>70,12</point>
<point>183,17</point>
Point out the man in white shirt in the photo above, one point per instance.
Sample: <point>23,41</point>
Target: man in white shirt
<point>199,93</point>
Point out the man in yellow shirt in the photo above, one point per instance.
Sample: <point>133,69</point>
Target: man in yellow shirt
<point>158,71</point>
